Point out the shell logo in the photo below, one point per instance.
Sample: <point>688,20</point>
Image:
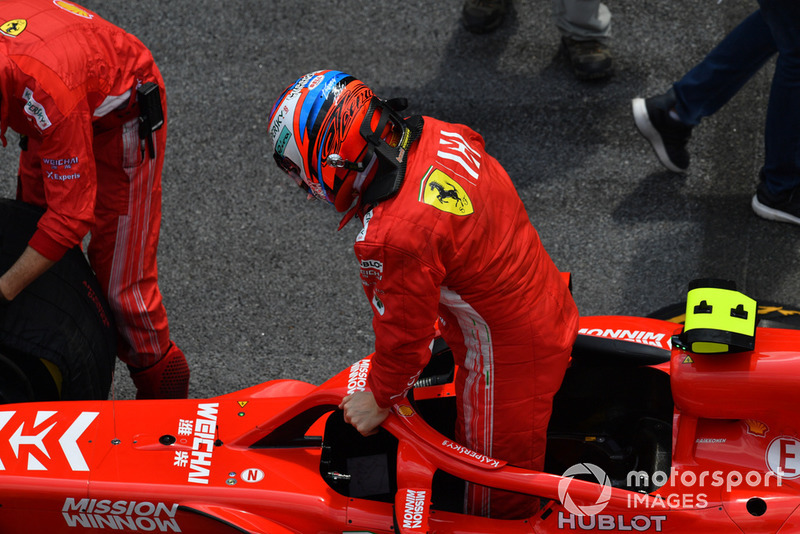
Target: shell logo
<point>72,8</point>
<point>756,428</point>
<point>405,410</point>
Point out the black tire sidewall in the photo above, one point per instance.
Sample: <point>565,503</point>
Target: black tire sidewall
<point>62,317</point>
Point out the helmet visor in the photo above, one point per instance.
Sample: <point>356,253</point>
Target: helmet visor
<point>293,171</point>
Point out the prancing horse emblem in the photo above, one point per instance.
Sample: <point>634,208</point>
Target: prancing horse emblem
<point>444,193</point>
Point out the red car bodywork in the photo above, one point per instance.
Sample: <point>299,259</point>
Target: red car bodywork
<point>266,459</point>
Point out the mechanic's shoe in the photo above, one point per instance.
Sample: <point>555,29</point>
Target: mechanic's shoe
<point>483,16</point>
<point>590,60</point>
<point>666,134</point>
<point>784,207</point>
<point>167,379</point>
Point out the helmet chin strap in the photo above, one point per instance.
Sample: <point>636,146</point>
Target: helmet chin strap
<point>383,175</point>
<point>361,177</point>
<point>359,184</point>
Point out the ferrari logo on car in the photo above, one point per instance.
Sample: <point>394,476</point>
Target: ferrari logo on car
<point>443,193</point>
<point>12,28</point>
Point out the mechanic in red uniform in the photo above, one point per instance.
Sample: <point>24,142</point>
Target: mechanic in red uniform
<point>74,87</point>
<point>445,236</point>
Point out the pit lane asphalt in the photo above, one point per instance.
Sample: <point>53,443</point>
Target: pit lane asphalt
<point>259,285</point>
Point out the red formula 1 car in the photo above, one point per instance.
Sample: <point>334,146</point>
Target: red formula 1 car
<point>658,427</point>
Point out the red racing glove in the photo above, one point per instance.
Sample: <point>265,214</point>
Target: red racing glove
<point>167,379</point>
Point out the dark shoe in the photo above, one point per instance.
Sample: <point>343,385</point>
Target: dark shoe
<point>482,16</point>
<point>590,60</point>
<point>783,207</point>
<point>668,136</point>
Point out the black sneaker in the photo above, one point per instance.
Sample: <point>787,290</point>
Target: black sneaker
<point>784,207</point>
<point>668,136</point>
<point>590,60</point>
<point>483,16</point>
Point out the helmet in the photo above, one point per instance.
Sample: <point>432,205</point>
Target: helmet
<point>333,135</point>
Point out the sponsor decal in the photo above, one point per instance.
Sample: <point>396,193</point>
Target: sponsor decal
<point>12,28</point>
<point>460,449</point>
<point>62,177</point>
<point>371,269</point>
<point>363,233</point>
<point>35,110</point>
<point>710,440</point>
<point>202,432</point>
<point>298,87</point>
<point>134,516</point>
<point>333,89</point>
<point>315,81</point>
<point>357,381</point>
<point>756,428</point>
<point>415,510</point>
<point>616,523</point>
<point>405,410</point>
<point>379,307</point>
<point>283,140</point>
<point>636,336</point>
<point>252,475</point>
<point>38,440</point>
<point>454,148</point>
<point>62,163</point>
<point>442,192</point>
<point>783,456</point>
<point>277,122</point>
<point>72,8</point>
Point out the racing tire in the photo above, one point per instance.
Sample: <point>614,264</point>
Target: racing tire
<point>57,337</point>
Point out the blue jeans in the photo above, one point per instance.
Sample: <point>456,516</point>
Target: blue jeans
<point>713,82</point>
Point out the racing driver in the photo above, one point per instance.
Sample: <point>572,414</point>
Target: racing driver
<point>445,237</point>
<point>89,104</point>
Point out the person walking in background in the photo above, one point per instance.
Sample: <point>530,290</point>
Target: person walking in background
<point>585,27</point>
<point>667,120</point>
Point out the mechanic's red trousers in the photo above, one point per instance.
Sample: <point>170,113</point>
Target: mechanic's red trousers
<point>124,237</point>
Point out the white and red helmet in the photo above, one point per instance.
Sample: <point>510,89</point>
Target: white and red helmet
<point>329,129</point>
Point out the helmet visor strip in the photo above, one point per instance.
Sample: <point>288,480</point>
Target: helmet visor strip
<point>294,172</point>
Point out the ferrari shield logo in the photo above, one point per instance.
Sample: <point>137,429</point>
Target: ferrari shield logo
<point>443,193</point>
<point>12,28</point>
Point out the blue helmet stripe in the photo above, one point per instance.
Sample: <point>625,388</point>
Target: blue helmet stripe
<point>315,99</point>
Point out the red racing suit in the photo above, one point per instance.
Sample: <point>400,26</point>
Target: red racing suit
<point>68,82</point>
<point>455,243</point>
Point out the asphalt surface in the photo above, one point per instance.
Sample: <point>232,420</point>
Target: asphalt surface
<point>258,283</point>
